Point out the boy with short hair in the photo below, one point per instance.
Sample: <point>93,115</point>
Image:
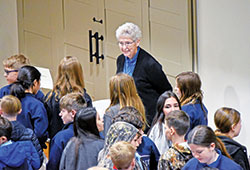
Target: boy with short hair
<point>21,154</point>
<point>10,107</point>
<point>11,68</point>
<point>123,155</point>
<point>12,65</point>
<point>177,124</point>
<point>70,104</point>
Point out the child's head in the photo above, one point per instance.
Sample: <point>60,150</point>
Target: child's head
<point>123,91</point>
<point>166,103</point>
<point>70,76</point>
<point>5,130</point>
<point>123,155</point>
<point>118,131</point>
<point>70,104</point>
<point>12,65</point>
<point>177,123</point>
<point>202,142</point>
<point>10,106</point>
<point>227,121</point>
<point>122,86</point>
<point>188,86</point>
<point>85,122</point>
<point>28,79</point>
<point>132,116</point>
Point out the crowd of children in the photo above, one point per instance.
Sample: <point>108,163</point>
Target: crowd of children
<point>178,138</point>
<point>77,143</point>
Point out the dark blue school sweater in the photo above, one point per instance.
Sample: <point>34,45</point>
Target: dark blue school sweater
<point>58,143</point>
<point>34,116</point>
<point>19,154</point>
<point>6,91</point>
<point>196,114</point>
<point>149,153</point>
<point>222,163</point>
<point>21,133</point>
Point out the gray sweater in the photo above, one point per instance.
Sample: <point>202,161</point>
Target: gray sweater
<point>108,116</point>
<point>87,154</point>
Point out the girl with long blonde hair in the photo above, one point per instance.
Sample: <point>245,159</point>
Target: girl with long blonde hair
<point>69,79</point>
<point>122,93</point>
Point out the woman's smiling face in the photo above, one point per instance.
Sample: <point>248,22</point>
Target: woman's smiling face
<point>128,46</point>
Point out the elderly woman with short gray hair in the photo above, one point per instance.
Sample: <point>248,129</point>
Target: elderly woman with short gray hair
<point>147,72</point>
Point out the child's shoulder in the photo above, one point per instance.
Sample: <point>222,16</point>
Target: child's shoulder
<point>5,90</point>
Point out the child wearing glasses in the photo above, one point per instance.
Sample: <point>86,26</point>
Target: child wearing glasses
<point>11,68</point>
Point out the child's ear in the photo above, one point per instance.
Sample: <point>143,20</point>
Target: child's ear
<point>3,139</point>
<point>34,82</point>
<point>133,163</point>
<point>19,111</point>
<point>212,146</point>
<point>172,131</point>
<point>73,113</point>
<point>233,127</point>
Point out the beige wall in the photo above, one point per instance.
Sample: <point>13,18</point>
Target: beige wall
<point>8,32</point>
<point>224,58</point>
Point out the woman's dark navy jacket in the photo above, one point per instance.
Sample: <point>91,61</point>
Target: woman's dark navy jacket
<point>149,79</point>
<point>53,109</point>
<point>34,116</point>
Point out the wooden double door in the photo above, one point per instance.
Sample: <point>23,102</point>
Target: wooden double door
<point>52,29</point>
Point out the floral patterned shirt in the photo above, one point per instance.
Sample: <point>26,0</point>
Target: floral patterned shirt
<point>175,158</point>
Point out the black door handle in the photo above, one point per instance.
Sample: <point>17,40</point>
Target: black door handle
<point>96,54</point>
<point>98,21</point>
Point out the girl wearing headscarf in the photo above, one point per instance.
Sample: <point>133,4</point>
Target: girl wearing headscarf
<point>119,131</point>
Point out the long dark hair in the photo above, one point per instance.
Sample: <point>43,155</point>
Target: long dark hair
<point>25,79</point>
<point>203,136</point>
<point>160,116</point>
<point>84,125</point>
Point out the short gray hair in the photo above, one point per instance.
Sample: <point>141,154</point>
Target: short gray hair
<point>129,30</point>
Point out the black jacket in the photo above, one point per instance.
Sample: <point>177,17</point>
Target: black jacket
<point>21,133</point>
<point>149,79</point>
<point>237,151</point>
<point>53,109</point>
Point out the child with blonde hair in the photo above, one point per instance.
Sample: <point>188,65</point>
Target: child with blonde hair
<point>10,107</point>
<point>12,66</point>
<point>123,155</point>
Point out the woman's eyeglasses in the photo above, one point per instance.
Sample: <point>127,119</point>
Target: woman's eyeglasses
<point>126,44</point>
